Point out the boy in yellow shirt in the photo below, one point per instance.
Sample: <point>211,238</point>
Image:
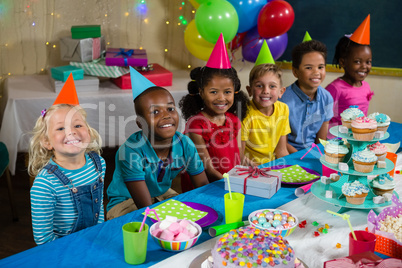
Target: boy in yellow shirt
<point>264,130</point>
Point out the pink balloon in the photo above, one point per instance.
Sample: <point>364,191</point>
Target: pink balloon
<point>275,18</point>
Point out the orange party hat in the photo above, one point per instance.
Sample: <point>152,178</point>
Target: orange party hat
<point>219,58</point>
<point>362,33</point>
<point>68,94</point>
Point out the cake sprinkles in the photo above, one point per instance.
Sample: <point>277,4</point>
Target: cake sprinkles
<point>252,247</point>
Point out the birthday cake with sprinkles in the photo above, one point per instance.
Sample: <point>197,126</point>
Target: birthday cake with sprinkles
<point>252,247</point>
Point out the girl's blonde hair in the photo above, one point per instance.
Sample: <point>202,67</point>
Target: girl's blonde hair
<point>39,156</point>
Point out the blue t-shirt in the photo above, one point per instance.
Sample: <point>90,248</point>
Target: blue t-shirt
<point>136,160</point>
<point>306,116</point>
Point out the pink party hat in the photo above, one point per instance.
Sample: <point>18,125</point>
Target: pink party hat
<point>362,33</point>
<point>265,55</point>
<point>68,94</point>
<point>219,58</point>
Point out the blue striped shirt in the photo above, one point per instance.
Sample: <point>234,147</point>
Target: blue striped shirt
<point>52,207</point>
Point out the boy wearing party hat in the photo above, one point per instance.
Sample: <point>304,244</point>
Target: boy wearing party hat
<point>67,193</point>
<point>352,54</point>
<point>151,158</point>
<point>310,105</point>
<point>266,125</point>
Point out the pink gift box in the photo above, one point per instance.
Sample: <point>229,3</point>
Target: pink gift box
<point>160,76</point>
<point>126,57</point>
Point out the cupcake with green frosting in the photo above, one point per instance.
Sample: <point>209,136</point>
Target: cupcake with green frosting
<point>383,121</point>
<point>349,114</point>
<point>383,184</point>
<point>335,151</point>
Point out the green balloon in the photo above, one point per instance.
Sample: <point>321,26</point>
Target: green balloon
<point>214,17</point>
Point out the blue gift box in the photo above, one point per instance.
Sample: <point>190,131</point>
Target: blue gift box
<point>61,73</point>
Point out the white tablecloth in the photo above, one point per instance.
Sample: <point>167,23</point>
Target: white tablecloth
<point>313,251</point>
<point>110,110</point>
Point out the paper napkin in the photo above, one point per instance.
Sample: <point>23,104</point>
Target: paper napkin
<point>177,209</point>
<point>295,174</point>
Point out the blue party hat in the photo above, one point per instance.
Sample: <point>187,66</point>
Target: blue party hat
<point>139,83</point>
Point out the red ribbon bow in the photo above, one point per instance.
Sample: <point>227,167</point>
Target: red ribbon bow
<point>255,172</point>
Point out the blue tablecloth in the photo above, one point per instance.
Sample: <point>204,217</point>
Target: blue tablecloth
<point>102,245</point>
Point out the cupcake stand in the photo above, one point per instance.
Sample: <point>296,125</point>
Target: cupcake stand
<point>338,199</point>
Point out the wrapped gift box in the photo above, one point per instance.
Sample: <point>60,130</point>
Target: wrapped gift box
<point>126,57</point>
<point>85,31</point>
<point>88,84</point>
<point>265,185</point>
<point>61,73</point>
<point>81,50</point>
<point>98,68</point>
<point>160,76</point>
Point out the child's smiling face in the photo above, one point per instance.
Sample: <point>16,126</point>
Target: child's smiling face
<point>218,95</point>
<point>158,110</point>
<point>357,65</point>
<point>68,134</point>
<point>266,90</point>
<point>311,72</point>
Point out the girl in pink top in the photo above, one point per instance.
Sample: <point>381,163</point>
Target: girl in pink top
<point>212,109</point>
<point>350,89</point>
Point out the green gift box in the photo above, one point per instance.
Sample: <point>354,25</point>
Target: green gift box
<point>85,31</point>
<point>99,68</point>
<point>61,73</point>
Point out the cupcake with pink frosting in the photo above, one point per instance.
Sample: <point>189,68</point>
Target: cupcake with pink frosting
<point>364,128</point>
<point>379,149</point>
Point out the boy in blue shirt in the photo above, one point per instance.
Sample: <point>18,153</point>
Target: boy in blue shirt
<point>310,105</point>
<point>151,158</point>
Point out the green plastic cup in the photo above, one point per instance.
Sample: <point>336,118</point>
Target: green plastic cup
<point>234,207</point>
<point>135,243</point>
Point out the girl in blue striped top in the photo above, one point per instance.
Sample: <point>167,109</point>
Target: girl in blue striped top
<point>67,194</point>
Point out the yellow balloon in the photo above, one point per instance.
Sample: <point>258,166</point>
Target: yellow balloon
<point>198,46</point>
<point>194,3</point>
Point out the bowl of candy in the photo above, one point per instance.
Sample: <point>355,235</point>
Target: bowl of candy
<point>174,234</point>
<point>274,221</point>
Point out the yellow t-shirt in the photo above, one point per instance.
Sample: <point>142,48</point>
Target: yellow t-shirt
<point>262,133</point>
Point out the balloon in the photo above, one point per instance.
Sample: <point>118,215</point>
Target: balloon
<point>214,17</point>
<point>197,45</point>
<point>252,43</point>
<point>200,1</point>
<point>275,18</point>
<point>237,41</point>
<point>247,10</point>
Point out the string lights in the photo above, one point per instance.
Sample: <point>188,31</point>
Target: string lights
<point>179,14</point>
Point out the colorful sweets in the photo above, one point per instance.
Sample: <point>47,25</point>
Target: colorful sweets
<point>252,247</point>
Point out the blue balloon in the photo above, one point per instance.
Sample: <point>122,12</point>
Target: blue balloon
<point>252,43</point>
<point>247,11</point>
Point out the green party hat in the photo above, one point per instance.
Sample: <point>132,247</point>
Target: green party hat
<point>265,55</point>
<point>307,37</point>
